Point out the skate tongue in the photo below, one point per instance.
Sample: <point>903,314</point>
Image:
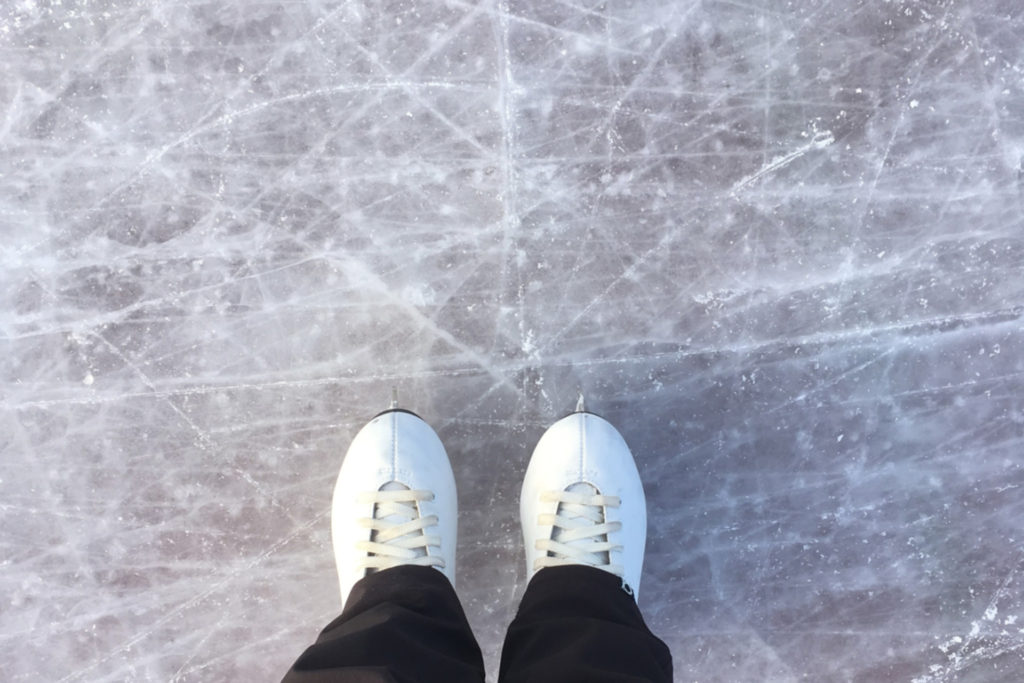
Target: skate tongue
<point>586,489</point>
<point>409,512</point>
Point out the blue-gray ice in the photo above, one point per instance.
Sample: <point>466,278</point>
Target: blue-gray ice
<point>779,244</point>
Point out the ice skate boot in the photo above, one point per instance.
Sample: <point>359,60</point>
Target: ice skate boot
<point>583,501</point>
<point>395,501</point>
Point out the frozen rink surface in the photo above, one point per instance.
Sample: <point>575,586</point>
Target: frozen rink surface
<point>779,244</point>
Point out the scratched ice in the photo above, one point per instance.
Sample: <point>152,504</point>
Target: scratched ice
<point>780,245</point>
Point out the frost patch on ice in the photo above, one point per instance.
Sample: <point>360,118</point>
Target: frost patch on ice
<point>968,651</point>
<point>529,345</point>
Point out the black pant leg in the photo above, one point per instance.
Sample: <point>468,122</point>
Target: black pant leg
<point>400,624</point>
<point>576,623</point>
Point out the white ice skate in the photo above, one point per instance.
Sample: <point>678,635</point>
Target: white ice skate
<point>583,501</point>
<point>395,501</point>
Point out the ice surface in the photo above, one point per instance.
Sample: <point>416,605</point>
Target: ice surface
<point>779,244</point>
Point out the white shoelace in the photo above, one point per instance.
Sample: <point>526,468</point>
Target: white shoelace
<point>398,533</point>
<point>579,533</point>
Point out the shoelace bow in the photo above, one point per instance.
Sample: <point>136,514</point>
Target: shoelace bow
<point>398,533</point>
<point>579,533</point>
